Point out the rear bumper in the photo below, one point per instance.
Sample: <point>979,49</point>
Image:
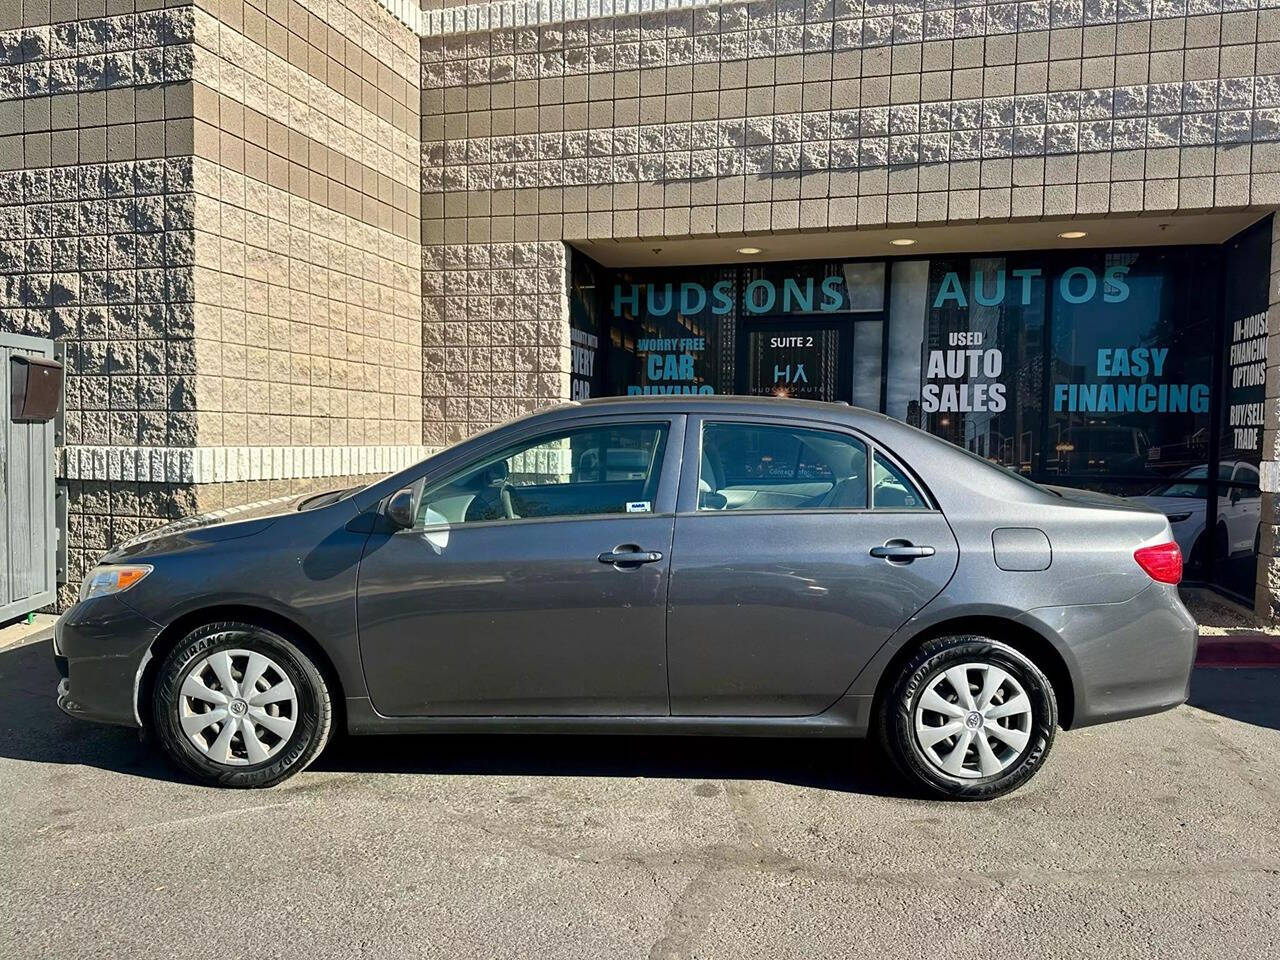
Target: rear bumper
<point>1126,659</point>
<point>100,649</point>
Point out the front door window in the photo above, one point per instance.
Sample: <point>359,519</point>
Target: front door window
<point>573,473</point>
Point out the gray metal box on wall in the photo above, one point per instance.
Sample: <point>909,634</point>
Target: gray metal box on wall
<point>31,382</point>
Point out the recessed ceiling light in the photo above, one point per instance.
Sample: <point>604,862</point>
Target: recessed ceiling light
<point>1072,235</point>
<point>749,251</point>
<point>902,242</point>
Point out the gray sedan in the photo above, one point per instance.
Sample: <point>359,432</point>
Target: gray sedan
<point>684,565</point>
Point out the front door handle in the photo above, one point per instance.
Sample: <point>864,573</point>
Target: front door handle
<point>901,551</point>
<point>630,555</point>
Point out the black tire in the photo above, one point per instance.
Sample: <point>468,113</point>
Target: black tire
<point>311,728</point>
<point>897,709</point>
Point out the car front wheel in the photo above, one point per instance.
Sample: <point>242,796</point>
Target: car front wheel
<point>968,718</point>
<point>237,705</point>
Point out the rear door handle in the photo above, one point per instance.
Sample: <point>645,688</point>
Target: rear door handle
<point>630,556</point>
<point>898,550</point>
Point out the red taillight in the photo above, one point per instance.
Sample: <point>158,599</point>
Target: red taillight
<point>1162,563</point>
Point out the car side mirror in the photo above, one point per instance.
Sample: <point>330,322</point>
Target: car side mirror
<point>400,508</point>
<point>1235,495</point>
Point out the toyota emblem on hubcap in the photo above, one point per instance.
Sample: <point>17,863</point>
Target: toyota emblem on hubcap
<point>973,721</point>
<point>238,708</point>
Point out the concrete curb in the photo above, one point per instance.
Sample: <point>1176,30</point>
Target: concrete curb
<point>15,633</point>
<point>1242,649</point>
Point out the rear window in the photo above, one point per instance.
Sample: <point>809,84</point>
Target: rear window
<point>892,489</point>
<point>1007,471</point>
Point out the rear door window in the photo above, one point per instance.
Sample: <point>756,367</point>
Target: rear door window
<point>747,466</point>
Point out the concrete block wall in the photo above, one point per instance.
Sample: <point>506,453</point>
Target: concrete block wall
<point>495,335</point>
<point>215,207</point>
<point>97,233</point>
<point>947,115</point>
<point>307,252</point>
<point>781,116</point>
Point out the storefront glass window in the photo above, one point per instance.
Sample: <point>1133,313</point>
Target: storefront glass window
<point>967,354</point>
<point>868,359</point>
<point>1131,375</point>
<point>769,329</point>
<point>672,330</point>
<point>588,337</point>
<point>1089,368</point>
<point>908,311</point>
<point>1237,522</point>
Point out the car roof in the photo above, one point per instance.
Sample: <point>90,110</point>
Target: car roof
<point>838,412</point>
<point>720,402</point>
<point>702,400</point>
<point>939,462</point>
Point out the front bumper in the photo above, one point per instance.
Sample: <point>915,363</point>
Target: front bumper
<point>65,703</point>
<point>101,647</point>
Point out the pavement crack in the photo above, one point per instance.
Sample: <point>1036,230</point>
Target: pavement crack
<point>688,919</point>
<point>746,813</point>
<point>185,821</point>
<point>1257,779</point>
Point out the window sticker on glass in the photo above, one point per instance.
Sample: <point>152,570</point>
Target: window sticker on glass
<point>639,506</point>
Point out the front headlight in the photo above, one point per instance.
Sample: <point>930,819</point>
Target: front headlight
<point>112,579</point>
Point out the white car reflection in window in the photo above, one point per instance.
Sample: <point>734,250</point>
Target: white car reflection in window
<point>1184,500</point>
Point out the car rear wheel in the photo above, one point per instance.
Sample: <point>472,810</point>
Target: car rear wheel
<point>237,705</point>
<point>968,718</point>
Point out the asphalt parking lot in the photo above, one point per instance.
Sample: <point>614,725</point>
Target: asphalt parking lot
<point>1158,837</point>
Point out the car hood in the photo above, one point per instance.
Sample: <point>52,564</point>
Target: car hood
<point>214,526</point>
<point>1168,505</point>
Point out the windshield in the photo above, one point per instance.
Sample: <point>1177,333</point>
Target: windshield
<point>1191,483</point>
<point>1105,440</point>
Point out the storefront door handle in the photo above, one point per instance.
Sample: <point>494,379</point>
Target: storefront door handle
<point>901,551</point>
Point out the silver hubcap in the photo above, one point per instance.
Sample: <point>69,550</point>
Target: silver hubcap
<point>238,707</point>
<point>973,720</point>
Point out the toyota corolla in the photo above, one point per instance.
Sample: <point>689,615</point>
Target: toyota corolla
<point>683,565</point>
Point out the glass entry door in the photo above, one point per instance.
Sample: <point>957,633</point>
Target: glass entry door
<point>801,358</point>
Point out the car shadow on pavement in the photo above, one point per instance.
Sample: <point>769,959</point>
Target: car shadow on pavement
<point>849,766</point>
<point>32,728</point>
<point>1250,696</point>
